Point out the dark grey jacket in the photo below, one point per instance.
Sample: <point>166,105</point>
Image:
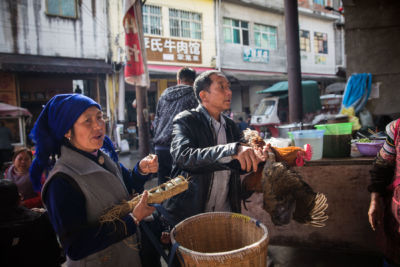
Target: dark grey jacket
<point>172,101</point>
<point>195,153</point>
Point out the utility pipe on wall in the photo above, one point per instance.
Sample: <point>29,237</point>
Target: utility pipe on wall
<point>121,97</point>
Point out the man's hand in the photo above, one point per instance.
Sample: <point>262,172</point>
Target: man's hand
<point>375,212</point>
<point>249,157</point>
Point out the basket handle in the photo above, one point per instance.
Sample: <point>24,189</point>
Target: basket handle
<point>169,259</point>
<point>172,253</point>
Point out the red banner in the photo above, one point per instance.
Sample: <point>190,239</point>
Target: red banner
<point>135,68</point>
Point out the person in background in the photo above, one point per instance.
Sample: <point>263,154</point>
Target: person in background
<point>18,172</point>
<point>384,209</point>
<point>86,181</point>
<point>151,124</point>
<point>5,144</point>
<point>172,101</point>
<point>78,90</point>
<point>248,121</point>
<point>242,124</point>
<point>27,238</point>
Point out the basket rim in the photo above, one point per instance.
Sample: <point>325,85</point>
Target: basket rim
<point>243,250</point>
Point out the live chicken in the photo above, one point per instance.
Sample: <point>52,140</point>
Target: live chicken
<point>286,195</point>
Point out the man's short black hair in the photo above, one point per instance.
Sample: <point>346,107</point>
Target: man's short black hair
<point>203,82</point>
<point>9,197</point>
<point>186,75</point>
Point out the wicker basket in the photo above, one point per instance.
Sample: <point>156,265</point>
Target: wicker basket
<point>221,239</point>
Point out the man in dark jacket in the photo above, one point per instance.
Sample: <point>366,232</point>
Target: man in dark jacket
<point>172,101</point>
<point>27,237</point>
<point>205,147</point>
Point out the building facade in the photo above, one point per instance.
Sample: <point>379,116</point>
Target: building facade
<point>251,46</point>
<point>178,33</point>
<point>372,35</point>
<point>49,47</point>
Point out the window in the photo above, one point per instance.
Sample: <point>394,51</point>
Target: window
<point>265,107</point>
<point>184,24</point>
<point>236,31</point>
<point>265,36</point>
<point>63,8</point>
<point>322,2</point>
<point>305,44</point>
<point>152,20</point>
<point>320,43</point>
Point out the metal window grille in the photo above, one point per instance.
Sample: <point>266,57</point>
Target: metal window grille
<point>320,43</point>
<point>305,44</point>
<point>236,31</point>
<point>152,20</point>
<point>185,24</point>
<point>265,36</point>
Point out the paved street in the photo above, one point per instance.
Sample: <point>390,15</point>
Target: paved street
<point>289,256</point>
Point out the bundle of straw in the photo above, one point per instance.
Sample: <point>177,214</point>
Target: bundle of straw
<point>156,195</point>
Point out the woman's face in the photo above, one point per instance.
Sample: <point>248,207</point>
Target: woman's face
<point>88,130</point>
<point>22,162</point>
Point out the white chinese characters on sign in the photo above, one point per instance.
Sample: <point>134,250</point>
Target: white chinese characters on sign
<point>255,55</point>
<point>174,50</point>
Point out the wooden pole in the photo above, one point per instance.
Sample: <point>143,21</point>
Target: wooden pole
<point>293,61</point>
<point>142,121</point>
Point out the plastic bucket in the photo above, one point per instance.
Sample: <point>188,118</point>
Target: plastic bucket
<point>337,139</point>
<point>221,239</point>
<point>312,137</point>
<point>337,146</point>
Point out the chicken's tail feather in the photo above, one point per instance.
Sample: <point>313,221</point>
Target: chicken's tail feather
<point>318,213</point>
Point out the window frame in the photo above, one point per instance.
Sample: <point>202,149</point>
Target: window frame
<point>60,10</point>
<point>196,34</point>
<point>321,2</point>
<point>149,17</point>
<point>317,39</point>
<point>268,33</point>
<point>240,28</point>
<point>304,38</point>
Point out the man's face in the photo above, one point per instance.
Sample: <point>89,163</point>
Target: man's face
<point>218,97</point>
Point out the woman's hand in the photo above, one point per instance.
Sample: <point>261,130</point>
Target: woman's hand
<point>375,212</point>
<point>149,164</point>
<point>142,210</point>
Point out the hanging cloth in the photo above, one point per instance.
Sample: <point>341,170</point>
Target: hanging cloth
<point>357,91</point>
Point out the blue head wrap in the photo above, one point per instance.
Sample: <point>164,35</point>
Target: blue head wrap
<point>57,117</point>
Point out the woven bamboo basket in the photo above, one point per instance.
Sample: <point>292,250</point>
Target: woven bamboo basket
<point>221,239</point>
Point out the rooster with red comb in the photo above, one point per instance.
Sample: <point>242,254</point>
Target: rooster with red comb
<point>286,195</point>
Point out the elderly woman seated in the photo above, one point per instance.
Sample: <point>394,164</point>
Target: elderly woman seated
<point>18,172</point>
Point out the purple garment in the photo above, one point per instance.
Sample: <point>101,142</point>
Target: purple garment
<point>22,181</point>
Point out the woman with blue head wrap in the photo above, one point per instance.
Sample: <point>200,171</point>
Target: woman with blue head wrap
<point>85,180</point>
